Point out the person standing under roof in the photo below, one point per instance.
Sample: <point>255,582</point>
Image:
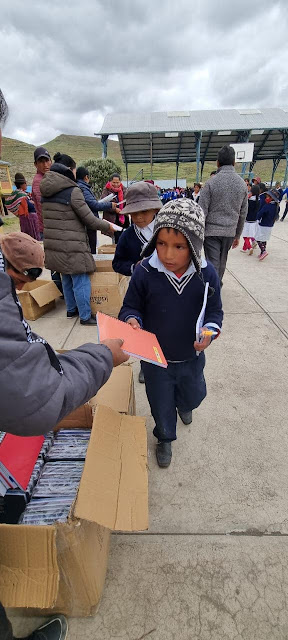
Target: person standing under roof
<point>225,204</point>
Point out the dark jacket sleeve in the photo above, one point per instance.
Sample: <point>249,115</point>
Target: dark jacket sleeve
<point>121,262</point>
<point>86,216</point>
<point>133,304</point>
<point>214,311</point>
<point>93,204</point>
<point>36,392</point>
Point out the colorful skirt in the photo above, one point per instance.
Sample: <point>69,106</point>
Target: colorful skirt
<point>29,225</point>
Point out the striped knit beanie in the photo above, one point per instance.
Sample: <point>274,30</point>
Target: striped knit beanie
<point>185,216</point>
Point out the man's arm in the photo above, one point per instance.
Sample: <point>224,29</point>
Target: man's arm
<point>93,204</point>
<point>242,216</point>
<point>205,198</point>
<point>38,388</point>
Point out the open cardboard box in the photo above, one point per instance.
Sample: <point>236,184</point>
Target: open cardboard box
<point>107,292</point>
<point>107,248</point>
<point>62,568</point>
<point>104,262</point>
<point>118,393</point>
<point>37,298</point>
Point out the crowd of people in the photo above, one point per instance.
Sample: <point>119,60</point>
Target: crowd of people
<point>160,246</point>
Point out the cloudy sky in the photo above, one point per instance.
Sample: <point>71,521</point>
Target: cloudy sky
<point>67,64</point>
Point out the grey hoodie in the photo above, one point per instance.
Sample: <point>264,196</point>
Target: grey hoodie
<point>37,387</point>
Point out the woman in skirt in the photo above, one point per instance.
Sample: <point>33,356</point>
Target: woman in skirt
<point>267,215</point>
<point>22,206</point>
<point>250,225</point>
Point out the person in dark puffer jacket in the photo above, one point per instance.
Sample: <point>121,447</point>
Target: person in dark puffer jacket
<point>66,217</point>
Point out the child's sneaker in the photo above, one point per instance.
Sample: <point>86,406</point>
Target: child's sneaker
<point>263,255</point>
<point>251,251</point>
<point>243,250</point>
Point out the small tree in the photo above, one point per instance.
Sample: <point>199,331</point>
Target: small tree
<point>100,172</point>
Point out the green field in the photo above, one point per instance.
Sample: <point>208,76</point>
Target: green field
<point>20,154</point>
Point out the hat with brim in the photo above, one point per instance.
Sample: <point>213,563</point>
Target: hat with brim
<point>141,196</point>
<point>22,251</point>
<point>273,195</point>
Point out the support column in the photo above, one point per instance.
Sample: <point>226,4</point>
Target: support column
<point>251,168</point>
<point>177,167</point>
<point>198,138</point>
<point>275,166</point>
<point>126,167</point>
<point>104,146</point>
<point>151,157</point>
<point>286,156</point>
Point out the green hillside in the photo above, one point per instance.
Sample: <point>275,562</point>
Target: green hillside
<point>20,154</point>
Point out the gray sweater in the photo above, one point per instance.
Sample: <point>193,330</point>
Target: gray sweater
<point>225,203</point>
<point>37,387</point>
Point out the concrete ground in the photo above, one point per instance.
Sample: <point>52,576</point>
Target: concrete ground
<point>214,563</point>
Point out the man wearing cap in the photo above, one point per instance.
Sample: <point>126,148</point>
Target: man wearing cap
<point>42,162</point>
<point>38,387</point>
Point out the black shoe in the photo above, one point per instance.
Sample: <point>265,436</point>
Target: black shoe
<point>163,454</point>
<point>186,416</point>
<point>73,314</point>
<point>54,629</point>
<point>141,376</point>
<point>90,321</point>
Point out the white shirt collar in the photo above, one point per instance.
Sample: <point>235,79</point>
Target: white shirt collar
<point>157,264</point>
<point>147,232</point>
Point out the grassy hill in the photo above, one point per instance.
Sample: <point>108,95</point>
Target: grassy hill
<point>20,154</point>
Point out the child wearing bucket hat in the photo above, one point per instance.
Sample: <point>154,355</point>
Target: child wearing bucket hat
<point>165,296</point>
<point>142,204</point>
<point>267,216</point>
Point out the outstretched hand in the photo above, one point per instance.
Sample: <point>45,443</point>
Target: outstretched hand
<point>115,344</point>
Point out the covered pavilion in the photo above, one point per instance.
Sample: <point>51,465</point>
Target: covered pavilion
<point>197,136</point>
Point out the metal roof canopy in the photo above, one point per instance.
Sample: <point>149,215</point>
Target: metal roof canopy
<point>197,136</point>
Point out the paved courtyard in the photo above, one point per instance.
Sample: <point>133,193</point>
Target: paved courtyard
<point>214,563</point>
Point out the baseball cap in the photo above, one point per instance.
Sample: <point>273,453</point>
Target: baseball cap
<point>41,152</point>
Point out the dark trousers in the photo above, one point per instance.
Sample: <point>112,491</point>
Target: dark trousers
<point>216,251</point>
<point>56,277</point>
<point>181,386</point>
<point>6,632</point>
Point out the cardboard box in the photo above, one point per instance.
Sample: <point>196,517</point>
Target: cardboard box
<point>107,292</point>
<point>37,298</point>
<point>106,248</point>
<point>118,393</point>
<point>104,262</point>
<point>62,568</point>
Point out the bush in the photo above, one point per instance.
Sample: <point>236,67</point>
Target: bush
<point>100,172</point>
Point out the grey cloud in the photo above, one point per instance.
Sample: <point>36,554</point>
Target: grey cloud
<point>68,65</point>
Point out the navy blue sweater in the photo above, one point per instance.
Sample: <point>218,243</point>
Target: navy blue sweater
<point>253,208</point>
<point>267,214</point>
<point>170,309</point>
<point>128,251</point>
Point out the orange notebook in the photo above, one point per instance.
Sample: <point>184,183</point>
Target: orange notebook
<point>18,456</point>
<point>137,342</point>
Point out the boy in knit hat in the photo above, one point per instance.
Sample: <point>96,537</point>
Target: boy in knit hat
<point>165,296</point>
